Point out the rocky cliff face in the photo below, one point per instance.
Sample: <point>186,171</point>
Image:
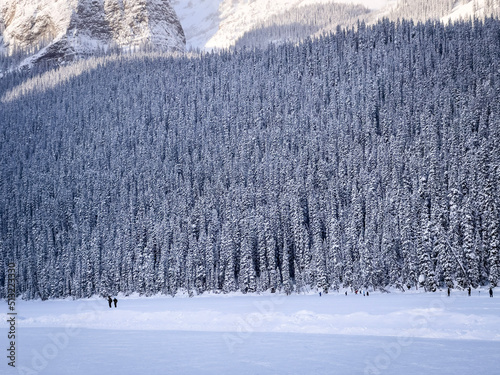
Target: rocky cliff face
<point>72,28</point>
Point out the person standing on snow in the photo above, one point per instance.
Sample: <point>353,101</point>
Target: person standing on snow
<point>491,292</point>
<point>109,301</point>
<point>469,290</point>
<point>115,301</point>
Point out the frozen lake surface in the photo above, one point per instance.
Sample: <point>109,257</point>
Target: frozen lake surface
<point>385,333</point>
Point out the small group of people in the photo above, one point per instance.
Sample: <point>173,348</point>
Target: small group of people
<point>365,293</point>
<point>110,301</point>
<point>469,291</point>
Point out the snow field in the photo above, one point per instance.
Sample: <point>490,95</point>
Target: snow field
<point>96,352</point>
<point>385,333</point>
<point>425,315</point>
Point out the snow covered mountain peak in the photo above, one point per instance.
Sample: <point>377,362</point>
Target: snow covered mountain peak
<point>69,28</point>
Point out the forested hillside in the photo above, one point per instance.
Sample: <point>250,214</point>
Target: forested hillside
<point>302,22</point>
<point>315,20</point>
<point>366,158</point>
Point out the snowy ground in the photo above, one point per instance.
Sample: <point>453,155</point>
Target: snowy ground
<point>385,333</point>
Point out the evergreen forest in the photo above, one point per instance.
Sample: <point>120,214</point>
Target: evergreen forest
<point>366,158</point>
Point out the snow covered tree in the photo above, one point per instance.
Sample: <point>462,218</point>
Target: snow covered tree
<point>364,157</point>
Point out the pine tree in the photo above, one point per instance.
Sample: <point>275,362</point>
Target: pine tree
<point>336,265</point>
<point>228,266</point>
<point>470,245</point>
<point>247,277</point>
<point>285,271</point>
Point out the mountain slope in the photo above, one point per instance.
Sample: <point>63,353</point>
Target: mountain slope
<point>67,29</point>
<point>213,24</point>
<point>239,17</point>
<point>220,23</point>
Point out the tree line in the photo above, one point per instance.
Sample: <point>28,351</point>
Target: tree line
<point>365,158</point>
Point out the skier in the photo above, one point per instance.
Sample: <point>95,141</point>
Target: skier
<point>491,292</point>
<point>320,294</point>
<point>367,293</point>
<point>115,301</point>
<point>109,301</point>
<point>469,291</point>
<point>448,292</point>
<point>346,292</point>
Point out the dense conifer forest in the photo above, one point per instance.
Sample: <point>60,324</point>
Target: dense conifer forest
<point>366,158</point>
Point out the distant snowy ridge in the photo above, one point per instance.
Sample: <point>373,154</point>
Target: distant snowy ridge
<point>238,17</point>
<point>215,24</point>
<point>220,23</point>
<point>476,8</point>
<point>66,29</point>
<point>70,28</point>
